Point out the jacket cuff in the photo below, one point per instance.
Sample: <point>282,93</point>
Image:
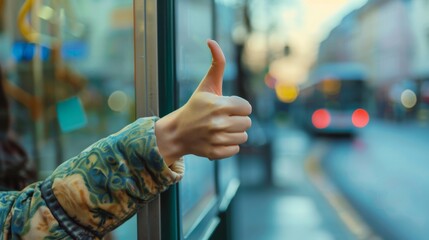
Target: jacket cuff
<point>163,175</point>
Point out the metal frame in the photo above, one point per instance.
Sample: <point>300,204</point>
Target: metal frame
<point>147,103</point>
<point>170,214</point>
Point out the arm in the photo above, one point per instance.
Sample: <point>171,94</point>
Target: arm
<point>94,192</point>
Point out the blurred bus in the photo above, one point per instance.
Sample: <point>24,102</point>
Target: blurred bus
<point>333,100</point>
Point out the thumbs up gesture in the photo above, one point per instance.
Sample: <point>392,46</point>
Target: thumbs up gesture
<point>209,124</point>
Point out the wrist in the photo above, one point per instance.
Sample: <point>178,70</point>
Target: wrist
<point>167,138</point>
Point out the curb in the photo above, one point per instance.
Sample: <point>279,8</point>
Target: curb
<point>345,211</point>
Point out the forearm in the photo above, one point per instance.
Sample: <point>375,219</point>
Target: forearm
<point>94,192</point>
<point>104,185</point>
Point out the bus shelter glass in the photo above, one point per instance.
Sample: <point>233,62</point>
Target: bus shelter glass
<point>224,27</point>
<point>193,28</point>
<point>75,84</point>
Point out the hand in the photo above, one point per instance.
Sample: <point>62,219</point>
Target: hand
<point>209,124</point>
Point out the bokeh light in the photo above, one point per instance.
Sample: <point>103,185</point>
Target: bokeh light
<point>118,101</point>
<point>286,93</point>
<point>360,118</point>
<point>331,86</point>
<point>321,118</point>
<point>408,98</point>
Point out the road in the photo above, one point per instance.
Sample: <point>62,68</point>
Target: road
<point>371,186</point>
<point>383,172</point>
<point>290,208</point>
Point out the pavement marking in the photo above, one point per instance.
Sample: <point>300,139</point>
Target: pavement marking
<point>331,193</point>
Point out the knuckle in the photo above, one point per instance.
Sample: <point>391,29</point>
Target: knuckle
<point>213,154</point>
<point>217,123</point>
<point>210,102</point>
<point>221,103</point>
<point>207,100</point>
<point>217,138</point>
<point>220,62</point>
<point>212,124</point>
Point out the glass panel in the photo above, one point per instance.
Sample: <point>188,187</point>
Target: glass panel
<point>197,189</point>
<point>224,27</point>
<point>76,84</point>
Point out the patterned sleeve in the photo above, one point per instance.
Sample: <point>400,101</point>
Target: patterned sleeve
<point>94,192</point>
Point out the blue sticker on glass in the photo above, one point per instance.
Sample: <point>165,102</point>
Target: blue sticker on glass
<point>71,115</point>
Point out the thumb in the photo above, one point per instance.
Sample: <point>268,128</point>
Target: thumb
<point>212,82</point>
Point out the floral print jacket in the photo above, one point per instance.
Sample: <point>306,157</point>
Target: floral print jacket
<point>93,193</point>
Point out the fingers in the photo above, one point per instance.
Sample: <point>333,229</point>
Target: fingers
<point>230,123</point>
<point>238,106</point>
<point>238,124</point>
<point>220,152</point>
<point>229,138</point>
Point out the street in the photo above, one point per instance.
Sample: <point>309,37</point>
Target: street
<point>383,172</point>
<point>370,186</point>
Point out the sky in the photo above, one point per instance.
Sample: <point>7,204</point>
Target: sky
<point>301,24</point>
<point>307,17</point>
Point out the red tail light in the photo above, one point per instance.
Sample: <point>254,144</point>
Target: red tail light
<point>321,118</point>
<point>360,118</point>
